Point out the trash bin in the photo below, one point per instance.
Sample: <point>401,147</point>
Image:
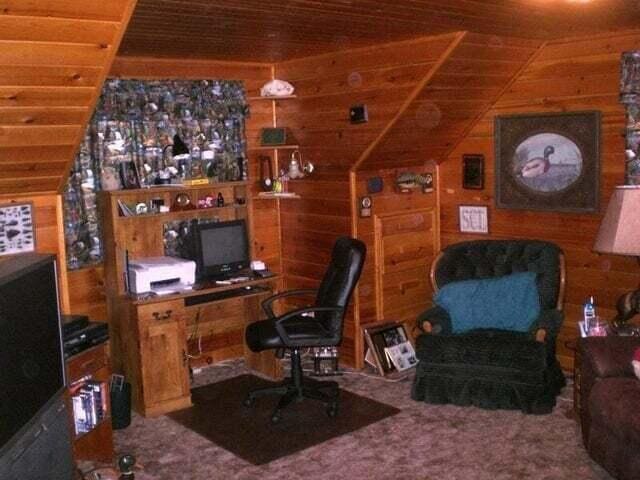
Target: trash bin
<point>120,404</point>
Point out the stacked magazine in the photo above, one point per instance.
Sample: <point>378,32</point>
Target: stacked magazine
<point>401,355</point>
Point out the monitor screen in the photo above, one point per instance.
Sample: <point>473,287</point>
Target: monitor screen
<point>223,248</point>
<point>30,340</point>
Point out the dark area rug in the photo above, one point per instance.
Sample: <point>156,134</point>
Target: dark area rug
<point>219,415</point>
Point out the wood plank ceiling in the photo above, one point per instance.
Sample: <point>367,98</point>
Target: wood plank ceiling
<point>55,53</point>
<point>54,56</point>
<point>277,30</point>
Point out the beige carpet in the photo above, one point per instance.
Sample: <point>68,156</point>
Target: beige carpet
<point>422,442</point>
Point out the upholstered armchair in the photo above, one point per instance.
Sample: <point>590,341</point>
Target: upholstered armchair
<point>489,340</point>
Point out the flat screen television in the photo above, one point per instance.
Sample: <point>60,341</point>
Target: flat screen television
<point>32,375</point>
<point>222,249</point>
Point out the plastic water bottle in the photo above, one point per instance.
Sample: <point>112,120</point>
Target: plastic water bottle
<point>589,313</point>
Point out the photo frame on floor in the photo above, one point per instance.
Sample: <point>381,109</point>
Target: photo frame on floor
<point>389,349</point>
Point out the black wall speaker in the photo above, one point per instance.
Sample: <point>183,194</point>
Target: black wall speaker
<point>374,185</point>
<point>273,136</point>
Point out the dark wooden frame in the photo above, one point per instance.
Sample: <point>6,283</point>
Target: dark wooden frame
<point>375,338</point>
<point>473,171</point>
<point>582,128</point>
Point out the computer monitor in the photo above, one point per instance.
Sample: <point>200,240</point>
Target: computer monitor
<point>222,249</point>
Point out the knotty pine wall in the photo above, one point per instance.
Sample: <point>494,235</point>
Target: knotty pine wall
<point>565,75</point>
<point>326,86</point>
<point>87,294</point>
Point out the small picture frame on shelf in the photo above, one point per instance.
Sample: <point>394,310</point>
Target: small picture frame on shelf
<point>129,175</point>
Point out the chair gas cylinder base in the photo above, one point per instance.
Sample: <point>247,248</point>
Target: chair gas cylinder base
<point>295,389</point>
<point>319,325</point>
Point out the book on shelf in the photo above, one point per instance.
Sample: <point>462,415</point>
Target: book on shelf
<point>89,404</point>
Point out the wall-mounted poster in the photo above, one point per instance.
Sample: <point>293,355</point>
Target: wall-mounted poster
<point>548,161</point>
<point>16,229</point>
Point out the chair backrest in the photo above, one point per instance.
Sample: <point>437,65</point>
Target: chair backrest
<point>495,258</point>
<point>339,281</point>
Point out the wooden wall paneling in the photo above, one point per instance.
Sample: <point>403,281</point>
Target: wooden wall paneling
<point>464,84</point>
<point>87,295</point>
<point>326,86</point>
<point>49,235</point>
<point>565,75</point>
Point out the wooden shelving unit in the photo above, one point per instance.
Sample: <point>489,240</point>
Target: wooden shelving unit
<point>274,147</point>
<point>93,363</point>
<point>153,339</point>
<point>283,97</point>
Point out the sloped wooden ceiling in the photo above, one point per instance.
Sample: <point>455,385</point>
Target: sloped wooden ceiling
<point>54,56</point>
<point>448,101</point>
<point>278,30</point>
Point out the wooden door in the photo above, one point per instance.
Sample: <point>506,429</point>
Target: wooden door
<point>405,246</point>
<point>163,350</point>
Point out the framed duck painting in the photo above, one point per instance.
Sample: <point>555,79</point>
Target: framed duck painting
<point>548,161</point>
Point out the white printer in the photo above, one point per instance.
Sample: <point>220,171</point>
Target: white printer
<point>162,275</point>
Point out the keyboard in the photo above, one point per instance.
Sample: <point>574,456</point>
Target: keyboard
<point>213,296</point>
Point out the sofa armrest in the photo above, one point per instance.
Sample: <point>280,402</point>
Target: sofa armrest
<point>601,357</point>
<point>434,320</point>
<point>608,356</point>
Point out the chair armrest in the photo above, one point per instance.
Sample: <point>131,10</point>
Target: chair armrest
<point>550,322</point>
<point>438,320</point>
<point>601,357</point>
<point>266,304</point>
<point>280,321</point>
<point>608,356</point>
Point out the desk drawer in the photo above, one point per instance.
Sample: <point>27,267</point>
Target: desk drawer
<point>160,312</point>
<point>87,362</point>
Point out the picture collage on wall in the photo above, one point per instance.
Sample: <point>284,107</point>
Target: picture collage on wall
<point>16,229</point>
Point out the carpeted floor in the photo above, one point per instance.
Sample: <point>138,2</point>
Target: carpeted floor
<point>218,413</point>
<point>422,442</point>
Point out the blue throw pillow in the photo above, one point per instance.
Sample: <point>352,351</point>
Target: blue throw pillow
<point>510,302</point>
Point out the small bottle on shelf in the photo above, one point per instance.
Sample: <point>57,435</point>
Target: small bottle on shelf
<point>589,313</point>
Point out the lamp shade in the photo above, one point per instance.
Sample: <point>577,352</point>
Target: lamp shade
<point>620,228</point>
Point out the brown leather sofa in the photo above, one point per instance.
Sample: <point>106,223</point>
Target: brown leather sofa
<point>610,404</point>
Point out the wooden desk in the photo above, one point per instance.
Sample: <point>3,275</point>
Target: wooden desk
<point>155,340</point>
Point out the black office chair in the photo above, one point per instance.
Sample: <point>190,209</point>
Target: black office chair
<point>314,326</point>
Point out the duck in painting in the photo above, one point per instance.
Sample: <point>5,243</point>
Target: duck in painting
<point>538,165</point>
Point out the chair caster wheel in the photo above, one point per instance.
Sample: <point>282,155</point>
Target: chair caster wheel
<point>276,417</point>
<point>248,402</point>
<point>332,410</point>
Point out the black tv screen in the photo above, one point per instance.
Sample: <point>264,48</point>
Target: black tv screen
<point>222,248</point>
<point>31,357</point>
